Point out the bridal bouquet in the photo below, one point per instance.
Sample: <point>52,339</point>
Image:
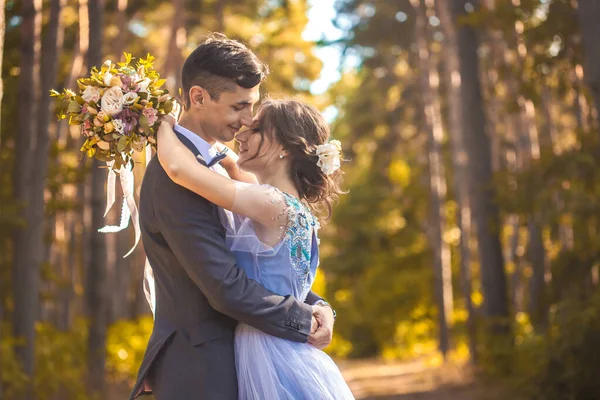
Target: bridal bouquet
<point>118,109</point>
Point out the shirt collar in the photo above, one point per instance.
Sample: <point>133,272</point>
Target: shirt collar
<point>206,150</point>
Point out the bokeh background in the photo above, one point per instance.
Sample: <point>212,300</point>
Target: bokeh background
<point>463,262</point>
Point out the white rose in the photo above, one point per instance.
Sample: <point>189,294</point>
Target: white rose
<point>130,98</point>
<point>143,85</point>
<point>329,156</point>
<point>119,125</point>
<point>112,101</point>
<point>91,93</point>
<point>107,78</point>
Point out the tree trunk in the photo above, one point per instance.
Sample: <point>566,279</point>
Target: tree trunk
<point>40,169</point>
<point>220,15</point>
<point>437,178</point>
<point>26,271</point>
<point>95,290</point>
<point>2,31</point>
<point>589,15</point>
<point>485,213</point>
<point>460,164</point>
<point>177,38</point>
<point>123,35</point>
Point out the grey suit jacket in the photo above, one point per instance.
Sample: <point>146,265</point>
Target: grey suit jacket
<point>200,296</point>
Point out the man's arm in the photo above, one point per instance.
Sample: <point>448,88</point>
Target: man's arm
<point>312,298</point>
<point>192,229</point>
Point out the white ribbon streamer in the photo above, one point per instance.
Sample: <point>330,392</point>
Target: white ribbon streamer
<point>129,209</point>
<point>110,187</point>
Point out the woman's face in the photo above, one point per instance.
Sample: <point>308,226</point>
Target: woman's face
<point>258,152</point>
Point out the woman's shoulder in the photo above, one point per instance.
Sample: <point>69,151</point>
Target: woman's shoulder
<point>296,216</point>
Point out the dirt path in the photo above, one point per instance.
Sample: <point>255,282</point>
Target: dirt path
<point>377,380</point>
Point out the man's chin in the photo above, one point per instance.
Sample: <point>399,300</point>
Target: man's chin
<point>226,138</point>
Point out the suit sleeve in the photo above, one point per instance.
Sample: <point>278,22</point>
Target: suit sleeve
<point>193,231</point>
<point>312,298</point>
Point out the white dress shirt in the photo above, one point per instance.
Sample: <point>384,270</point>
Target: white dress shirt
<point>206,150</point>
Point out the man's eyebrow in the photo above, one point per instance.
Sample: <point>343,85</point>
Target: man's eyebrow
<point>244,102</point>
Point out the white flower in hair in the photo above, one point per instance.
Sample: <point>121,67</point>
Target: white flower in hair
<point>329,156</point>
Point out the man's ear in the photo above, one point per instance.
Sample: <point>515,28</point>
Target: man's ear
<point>197,96</point>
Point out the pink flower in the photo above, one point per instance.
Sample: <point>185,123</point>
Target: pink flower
<point>150,113</point>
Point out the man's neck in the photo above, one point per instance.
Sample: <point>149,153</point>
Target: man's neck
<point>188,123</point>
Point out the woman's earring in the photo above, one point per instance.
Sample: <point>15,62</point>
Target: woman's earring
<point>281,156</point>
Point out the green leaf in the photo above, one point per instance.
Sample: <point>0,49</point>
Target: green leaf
<point>74,107</point>
<point>122,143</point>
<point>145,124</point>
<point>168,106</point>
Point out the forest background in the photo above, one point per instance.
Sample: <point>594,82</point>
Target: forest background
<point>470,231</point>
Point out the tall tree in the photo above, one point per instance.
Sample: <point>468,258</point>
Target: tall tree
<point>429,80</point>
<point>26,271</point>
<point>220,14</point>
<point>95,288</point>
<point>2,30</point>
<point>49,59</point>
<point>177,38</point>
<point>589,15</point>
<point>460,166</point>
<point>485,211</point>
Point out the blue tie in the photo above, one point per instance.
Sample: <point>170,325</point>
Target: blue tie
<point>218,157</point>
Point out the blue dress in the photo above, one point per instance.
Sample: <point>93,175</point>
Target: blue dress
<point>269,367</point>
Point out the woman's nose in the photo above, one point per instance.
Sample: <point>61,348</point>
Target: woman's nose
<point>241,135</point>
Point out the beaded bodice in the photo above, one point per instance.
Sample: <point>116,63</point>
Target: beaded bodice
<point>290,266</point>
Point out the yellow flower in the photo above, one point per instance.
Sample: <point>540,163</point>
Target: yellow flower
<point>109,127</point>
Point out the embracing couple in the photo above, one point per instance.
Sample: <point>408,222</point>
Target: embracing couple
<point>232,240</point>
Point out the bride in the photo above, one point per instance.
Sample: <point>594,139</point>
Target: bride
<point>285,174</point>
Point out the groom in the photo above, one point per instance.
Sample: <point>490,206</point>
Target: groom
<point>200,292</point>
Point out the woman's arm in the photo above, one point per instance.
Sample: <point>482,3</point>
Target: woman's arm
<point>233,170</point>
<point>259,203</point>
<point>182,167</point>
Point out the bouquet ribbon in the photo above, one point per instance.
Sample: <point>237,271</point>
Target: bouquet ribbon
<point>129,209</point>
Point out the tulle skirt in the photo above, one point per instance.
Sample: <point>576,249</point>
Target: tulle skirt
<point>271,368</point>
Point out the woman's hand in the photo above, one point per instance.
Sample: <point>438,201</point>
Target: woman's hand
<point>170,119</point>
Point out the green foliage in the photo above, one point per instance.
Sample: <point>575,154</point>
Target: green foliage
<point>125,347</point>
<point>12,379</point>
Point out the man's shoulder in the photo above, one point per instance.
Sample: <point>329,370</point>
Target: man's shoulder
<point>157,184</point>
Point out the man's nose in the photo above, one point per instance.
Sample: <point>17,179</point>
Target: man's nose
<point>246,117</point>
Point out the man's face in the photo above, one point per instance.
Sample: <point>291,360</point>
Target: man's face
<point>224,117</point>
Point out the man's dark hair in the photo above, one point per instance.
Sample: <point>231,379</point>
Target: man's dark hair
<point>218,64</point>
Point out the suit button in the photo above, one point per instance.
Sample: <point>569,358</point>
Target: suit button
<point>287,323</point>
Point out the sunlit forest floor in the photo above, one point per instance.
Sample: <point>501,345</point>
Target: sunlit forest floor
<point>408,380</point>
<point>377,380</point>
